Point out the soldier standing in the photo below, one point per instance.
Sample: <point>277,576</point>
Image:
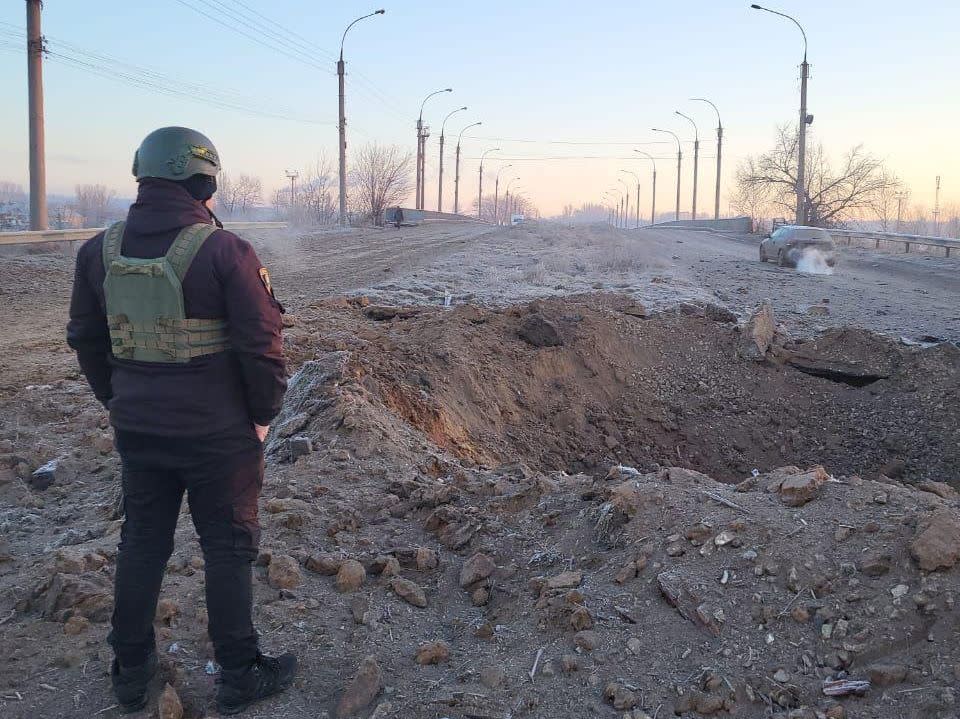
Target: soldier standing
<point>177,330</point>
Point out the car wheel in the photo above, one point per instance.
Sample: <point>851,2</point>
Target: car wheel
<point>763,257</point>
<point>781,260</point>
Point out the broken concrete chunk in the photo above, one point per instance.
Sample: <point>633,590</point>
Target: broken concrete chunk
<point>937,544</point>
<point>284,572</point>
<point>758,333</point>
<point>362,690</point>
<point>409,591</point>
<point>476,569</point>
<point>299,446</point>
<point>798,489</point>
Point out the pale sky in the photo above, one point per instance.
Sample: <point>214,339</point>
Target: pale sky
<point>597,73</point>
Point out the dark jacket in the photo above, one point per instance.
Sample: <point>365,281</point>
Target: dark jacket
<point>213,395</point>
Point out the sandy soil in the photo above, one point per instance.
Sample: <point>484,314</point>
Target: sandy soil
<point>518,479</point>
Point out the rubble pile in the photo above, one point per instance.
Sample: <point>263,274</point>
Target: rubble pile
<point>570,508</point>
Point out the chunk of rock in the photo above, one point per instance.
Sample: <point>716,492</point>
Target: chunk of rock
<point>169,706</point>
<point>618,695</point>
<point>284,572</point>
<point>538,331</point>
<point>69,561</point>
<point>886,675</point>
<point>937,544</point>
<point>68,595</point>
<point>587,640</point>
<point>426,559</point>
<point>350,576</point>
<point>167,611</point>
<point>798,489</point>
<point>432,653</point>
<point>758,333</point>
<point>299,446</point>
<point>328,564</point>
<point>362,690</point>
<point>565,580</point>
<point>410,592</point>
<point>476,569</point>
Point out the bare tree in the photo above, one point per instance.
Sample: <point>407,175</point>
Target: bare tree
<point>832,195</point>
<point>93,202</point>
<point>238,195</point>
<point>316,193</point>
<point>11,193</point>
<point>380,178</point>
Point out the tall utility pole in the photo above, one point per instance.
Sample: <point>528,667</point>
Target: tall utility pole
<point>626,194</point>
<point>343,124</point>
<point>496,195</point>
<point>653,192</point>
<point>635,177</point>
<point>443,128</point>
<point>805,120</point>
<point>936,210</point>
<point>422,134</point>
<point>292,175</point>
<point>506,200</point>
<point>696,161</point>
<point>38,163</point>
<point>456,176</point>
<point>480,191</point>
<point>716,201</point>
<point>901,196</point>
<point>679,162</point>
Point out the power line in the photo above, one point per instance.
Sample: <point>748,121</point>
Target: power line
<point>113,68</point>
<point>573,142</point>
<point>529,158</point>
<point>289,43</point>
<point>299,57</point>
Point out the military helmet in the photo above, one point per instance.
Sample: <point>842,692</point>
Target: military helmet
<point>175,153</point>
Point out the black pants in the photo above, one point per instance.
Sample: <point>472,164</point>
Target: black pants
<point>222,477</point>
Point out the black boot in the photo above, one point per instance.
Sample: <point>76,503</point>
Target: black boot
<point>239,688</point>
<point>130,683</point>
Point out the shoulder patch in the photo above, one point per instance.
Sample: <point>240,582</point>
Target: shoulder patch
<point>265,279</point>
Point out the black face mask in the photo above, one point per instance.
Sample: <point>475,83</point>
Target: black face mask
<point>200,187</point>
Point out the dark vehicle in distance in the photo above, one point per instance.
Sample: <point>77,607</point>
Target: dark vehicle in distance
<point>788,244</point>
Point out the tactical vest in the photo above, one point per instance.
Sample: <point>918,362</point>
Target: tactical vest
<point>145,302</point>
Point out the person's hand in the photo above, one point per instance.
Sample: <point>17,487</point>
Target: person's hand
<point>261,430</point>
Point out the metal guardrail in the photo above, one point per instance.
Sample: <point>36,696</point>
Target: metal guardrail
<point>907,240</point>
<point>44,236</point>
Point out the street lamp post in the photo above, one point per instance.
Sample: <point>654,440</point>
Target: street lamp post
<point>480,193</point>
<point>626,195</point>
<point>696,161</point>
<point>618,204</point>
<point>443,127</point>
<point>456,174</point>
<point>506,199</point>
<point>343,120</point>
<point>608,197</point>
<point>422,136</point>
<point>496,196</point>
<point>653,192</point>
<point>635,177</point>
<point>716,201</point>
<point>805,120</point>
<point>679,160</point>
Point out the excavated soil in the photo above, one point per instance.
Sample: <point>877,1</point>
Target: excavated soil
<point>559,509</point>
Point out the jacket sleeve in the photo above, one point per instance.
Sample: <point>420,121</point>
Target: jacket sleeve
<point>87,331</point>
<point>254,325</point>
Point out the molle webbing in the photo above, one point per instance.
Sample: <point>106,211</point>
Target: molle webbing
<point>146,318</point>
<point>180,340</point>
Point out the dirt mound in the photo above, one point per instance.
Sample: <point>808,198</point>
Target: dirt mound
<point>670,390</point>
<point>544,510</point>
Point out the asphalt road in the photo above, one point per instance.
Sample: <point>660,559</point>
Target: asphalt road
<point>909,295</point>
